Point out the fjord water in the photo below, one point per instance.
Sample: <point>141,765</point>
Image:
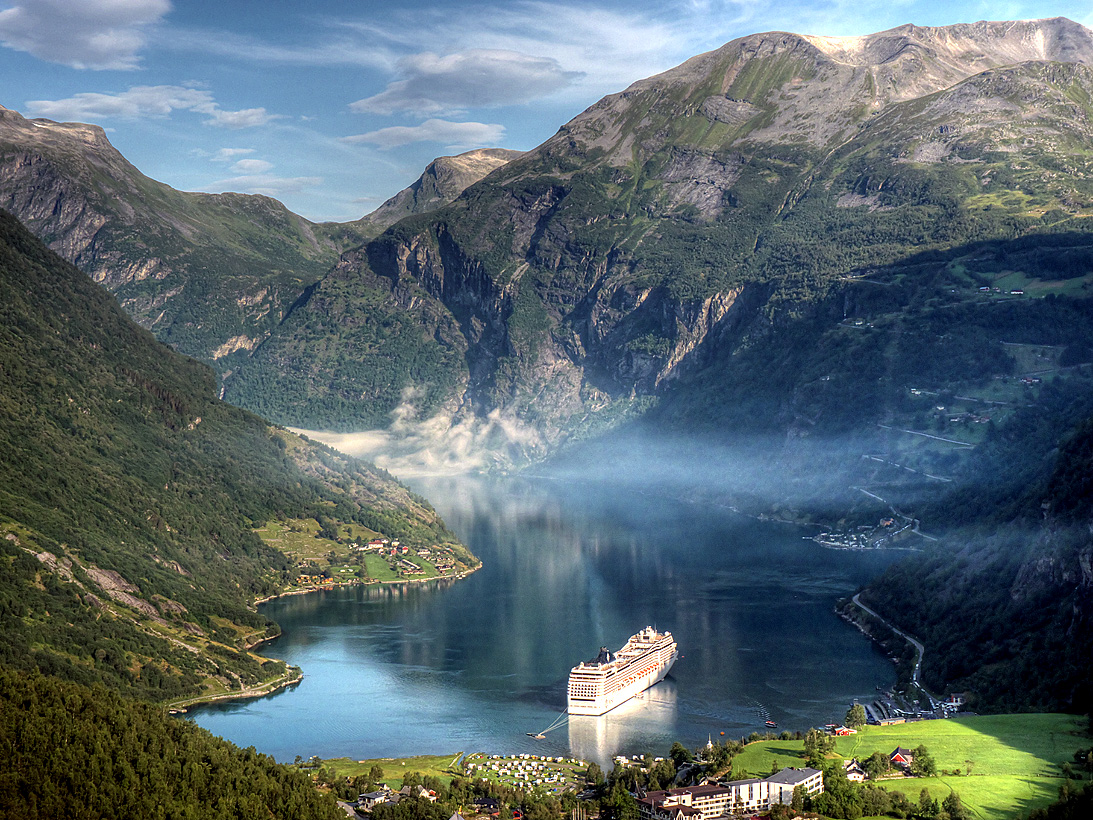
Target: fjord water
<point>476,664</point>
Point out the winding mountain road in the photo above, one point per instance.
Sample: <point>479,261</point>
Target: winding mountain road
<point>919,648</point>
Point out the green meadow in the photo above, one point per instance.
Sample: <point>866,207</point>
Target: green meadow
<point>300,539</point>
<point>1001,765</point>
<point>395,768</point>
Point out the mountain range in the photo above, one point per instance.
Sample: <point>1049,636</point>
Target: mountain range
<point>864,263</point>
<point>663,231</point>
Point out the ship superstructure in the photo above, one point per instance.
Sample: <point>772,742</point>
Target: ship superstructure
<point>599,685</point>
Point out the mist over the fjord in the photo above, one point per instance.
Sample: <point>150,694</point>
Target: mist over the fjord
<point>807,479</point>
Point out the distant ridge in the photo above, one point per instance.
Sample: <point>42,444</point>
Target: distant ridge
<point>827,84</point>
<point>211,274</point>
<point>443,180</point>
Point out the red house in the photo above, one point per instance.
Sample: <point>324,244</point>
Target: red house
<point>901,757</point>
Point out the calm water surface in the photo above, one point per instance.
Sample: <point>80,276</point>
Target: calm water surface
<point>476,664</point>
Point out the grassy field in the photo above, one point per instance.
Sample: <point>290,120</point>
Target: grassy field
<point>1014,280</point>
<point>394,768</point>
<point>379,569</point>
<point>299,538</point>
<point>1001,765</point>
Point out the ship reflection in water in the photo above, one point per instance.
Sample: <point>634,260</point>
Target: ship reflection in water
<point>599,737</point>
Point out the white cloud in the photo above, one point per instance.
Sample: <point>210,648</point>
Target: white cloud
<point>252,166</point>
<point>469,79</point>
<point>443,444</point>
<point>229,154</point>
<point>246,118</point>
<point>455,135</point>
<point>142,101</point>
<point>265,184</point>
<point>103,34</point>
<point>138,102</point>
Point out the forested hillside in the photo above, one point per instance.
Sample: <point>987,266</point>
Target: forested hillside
<point>130,492</point>
<point>73,751</point>
<point>1004,603</point>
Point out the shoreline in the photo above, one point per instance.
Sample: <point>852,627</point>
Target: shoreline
<point>295,675</point>
<point>331,588</point>
<point>183,706</point>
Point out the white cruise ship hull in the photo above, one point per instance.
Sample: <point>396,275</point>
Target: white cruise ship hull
<point>597,688</point>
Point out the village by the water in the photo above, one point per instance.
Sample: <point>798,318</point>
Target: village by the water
<point>887,756</point>
<point>716,780</point>
<point>760,773</point>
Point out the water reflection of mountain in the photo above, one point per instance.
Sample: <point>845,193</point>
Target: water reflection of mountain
<point>569,567</point>
<point>599,737</point>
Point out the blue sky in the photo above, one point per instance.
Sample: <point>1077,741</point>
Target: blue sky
<point>332,106</point>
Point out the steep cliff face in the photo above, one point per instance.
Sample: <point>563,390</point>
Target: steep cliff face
<point>584,337</point>
<point>1005,616</point>
<point>674,225</point>
<point>1004,602</point>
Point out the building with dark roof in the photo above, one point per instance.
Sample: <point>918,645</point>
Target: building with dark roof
<point>782,784</point>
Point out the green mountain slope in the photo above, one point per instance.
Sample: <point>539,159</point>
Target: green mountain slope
<point>682,222</point>
<point>1004,604</point>
<point>130,493</point>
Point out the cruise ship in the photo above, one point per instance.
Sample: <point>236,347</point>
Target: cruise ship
<point>599,685</point>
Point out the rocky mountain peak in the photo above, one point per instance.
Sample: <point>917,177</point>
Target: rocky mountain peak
<point>16,128</point>
<point>443,180</point>
<point>975,46</point>
<point>778,87</point>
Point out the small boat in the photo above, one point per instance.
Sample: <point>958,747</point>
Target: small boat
<point>539,736</point>
<point>772,724</point>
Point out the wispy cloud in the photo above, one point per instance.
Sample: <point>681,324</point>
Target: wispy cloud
<point>478,78</point>
<point>253,176</point>
<point>588,44</point>
<point>454,135</point>
<point>252,166</point>
<point>230,154</point>
<point>245,118</point>
<point>148,101</point>
<point>531,49</point>
<point>265,184</point>
<point>332,44</point>
<point>102,34</point>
